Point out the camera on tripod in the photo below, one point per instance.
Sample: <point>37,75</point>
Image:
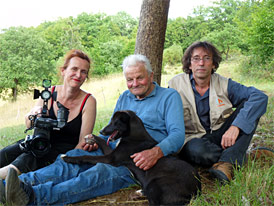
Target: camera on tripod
<point>39,143</point>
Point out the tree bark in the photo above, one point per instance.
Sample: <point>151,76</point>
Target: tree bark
<point>14,91</point>
<point>151,33</point>
<point>14,94</point>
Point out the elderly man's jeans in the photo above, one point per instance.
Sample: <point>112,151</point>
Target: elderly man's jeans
<point>62,183</point>
<point>207,150</point>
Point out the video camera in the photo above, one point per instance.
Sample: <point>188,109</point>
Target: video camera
<point>39,143</point>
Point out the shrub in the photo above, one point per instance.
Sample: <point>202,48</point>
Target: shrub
<point>252,67</point>
<point>173,55</point>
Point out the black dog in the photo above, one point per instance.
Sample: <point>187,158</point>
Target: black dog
<point>170,181</point>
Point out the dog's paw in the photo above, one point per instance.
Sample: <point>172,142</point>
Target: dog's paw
<point>67,158</point>
<point>73,160</point>
<point>63,157</point>
<point>89,139</point>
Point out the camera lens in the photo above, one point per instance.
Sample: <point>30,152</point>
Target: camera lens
<point>40,145</point>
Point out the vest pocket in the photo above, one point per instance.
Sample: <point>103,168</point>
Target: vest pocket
<point>189,126</point>
<point>224,116</point>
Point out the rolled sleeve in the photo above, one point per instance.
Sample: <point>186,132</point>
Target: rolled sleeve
<point>254,107</point>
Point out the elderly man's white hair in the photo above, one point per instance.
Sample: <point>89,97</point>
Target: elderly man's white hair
<point>134,60</point>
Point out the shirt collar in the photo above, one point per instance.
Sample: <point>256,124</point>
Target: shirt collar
<point>192,81</point>
<point>191,76</point>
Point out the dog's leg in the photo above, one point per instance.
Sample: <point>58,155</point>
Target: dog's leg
<point>102,144</point>
<point>87,159</point>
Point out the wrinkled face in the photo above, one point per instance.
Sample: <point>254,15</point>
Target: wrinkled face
<point>139,82</point>
<point>76,72</point>
<point>201,63</point>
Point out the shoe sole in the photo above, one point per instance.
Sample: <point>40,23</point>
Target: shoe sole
<point>219,175</point>
<point>14,198</point>
<point>2,192</point>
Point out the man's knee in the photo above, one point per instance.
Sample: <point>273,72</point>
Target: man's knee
<point>193,147</point>
<point>197,151</point>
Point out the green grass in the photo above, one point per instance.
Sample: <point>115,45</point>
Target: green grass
<point>252,185</point>
<point>10,134</point>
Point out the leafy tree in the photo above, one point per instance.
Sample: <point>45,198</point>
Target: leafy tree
<point>25,60</point>
<point>108,39</point>
<point>63,35</point>
<point>173,55</point>
<point>109,55</point>
<point>245,25</point>
<point>216,24</point>
<point>98,28</point>
<point>108,58</point>
<point>225,39</point>
<point>176,32</point>
<point>89,28</point>
<point>222,12</point>
<point>125,23</point>
<point>197,27</point>
<point>255,22</point>
<point>261,30</point>
<point>184,32</point>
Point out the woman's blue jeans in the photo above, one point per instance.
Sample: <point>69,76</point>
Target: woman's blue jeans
<point>63,183</point>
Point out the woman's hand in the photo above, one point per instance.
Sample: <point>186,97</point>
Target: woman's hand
<point>87,144</point>
<point>90,147</point>
<point>36,110</point>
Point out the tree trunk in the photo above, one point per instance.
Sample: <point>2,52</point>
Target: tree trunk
<point>14,91</point>
<point>14,94</point>
<point>227,52</point>
<point>151,33</point>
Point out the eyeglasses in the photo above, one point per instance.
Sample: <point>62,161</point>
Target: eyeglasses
<point>198,59</point>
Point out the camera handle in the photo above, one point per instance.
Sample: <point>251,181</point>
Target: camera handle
<point>32,120</point>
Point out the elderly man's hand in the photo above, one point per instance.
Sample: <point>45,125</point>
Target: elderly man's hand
<point>230,136</point>
<point>147,158</point>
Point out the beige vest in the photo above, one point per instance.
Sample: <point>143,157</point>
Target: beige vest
<point>219,104</point>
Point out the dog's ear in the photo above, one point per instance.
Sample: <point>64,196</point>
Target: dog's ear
<point>125,118</point>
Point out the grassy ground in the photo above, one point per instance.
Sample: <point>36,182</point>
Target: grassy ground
<point>252,185</point>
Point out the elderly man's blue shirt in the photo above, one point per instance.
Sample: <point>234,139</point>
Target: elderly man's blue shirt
<point>162,114</point>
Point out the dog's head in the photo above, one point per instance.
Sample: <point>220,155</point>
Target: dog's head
<point>119,126</point>
<point>125,124</point>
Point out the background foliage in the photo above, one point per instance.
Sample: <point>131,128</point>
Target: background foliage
<point>242,30</point>
<point>234,26</point>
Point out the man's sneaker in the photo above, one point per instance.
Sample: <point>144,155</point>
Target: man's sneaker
<point>15,194</point>
<point>2,192</point>
<point>223,171</point>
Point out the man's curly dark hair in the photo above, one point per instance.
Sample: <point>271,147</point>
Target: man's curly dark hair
<point>216,55</point>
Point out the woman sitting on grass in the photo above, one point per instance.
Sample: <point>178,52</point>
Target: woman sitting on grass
<point>81,119</point>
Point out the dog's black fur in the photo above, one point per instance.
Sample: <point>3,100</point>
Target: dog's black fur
<point>170,181</point>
